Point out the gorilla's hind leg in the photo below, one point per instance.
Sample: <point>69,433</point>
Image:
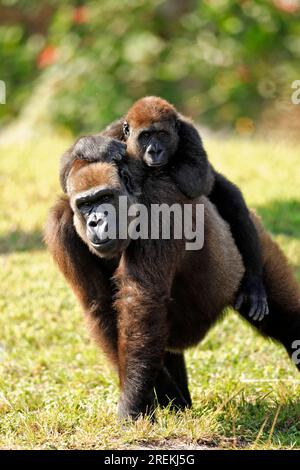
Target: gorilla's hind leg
<point>280,327</point>
<point>172,383</point>
<point>283,291</point>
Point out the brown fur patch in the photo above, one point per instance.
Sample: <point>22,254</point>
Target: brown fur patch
<point>148,110</point>
<point>83,177</point>
<point>280,280</point>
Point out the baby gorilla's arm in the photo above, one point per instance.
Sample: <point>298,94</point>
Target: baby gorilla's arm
<point>195,176</point>
<point>232,207</point>
<point>189,167</point>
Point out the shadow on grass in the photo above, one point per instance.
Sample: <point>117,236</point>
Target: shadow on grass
<point>282,217</point>
<point>18,241</point>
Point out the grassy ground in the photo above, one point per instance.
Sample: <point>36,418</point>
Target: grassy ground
<point>56,389</point>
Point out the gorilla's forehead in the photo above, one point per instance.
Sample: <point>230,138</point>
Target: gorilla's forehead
<point>92,175</point>
<point>148,110</point>
<point>155,126</point>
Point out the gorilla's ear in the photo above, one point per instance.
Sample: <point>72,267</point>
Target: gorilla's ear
<point>129,184</point>
<point>178,123</point>
<point>126,129</point>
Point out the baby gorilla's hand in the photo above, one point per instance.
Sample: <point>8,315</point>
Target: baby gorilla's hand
<point>252,295</point>
<point>98,148</point>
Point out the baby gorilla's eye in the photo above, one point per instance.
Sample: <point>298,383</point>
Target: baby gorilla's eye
<point>162,133</point>
<point>146,135</point>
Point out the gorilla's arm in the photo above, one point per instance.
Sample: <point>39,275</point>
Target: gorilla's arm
<point>87,274</point>
<point>142,305</point>
<point>232,207</point>
<point>189,167</point>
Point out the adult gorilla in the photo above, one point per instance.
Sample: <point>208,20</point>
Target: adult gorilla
<point>149,300</point>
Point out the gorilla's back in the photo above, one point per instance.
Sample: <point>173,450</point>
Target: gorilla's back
<point>206,283</point>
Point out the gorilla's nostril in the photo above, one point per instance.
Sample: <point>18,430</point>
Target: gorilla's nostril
<point>93,223</point>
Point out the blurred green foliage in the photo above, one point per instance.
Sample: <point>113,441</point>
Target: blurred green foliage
<point>219,61</point>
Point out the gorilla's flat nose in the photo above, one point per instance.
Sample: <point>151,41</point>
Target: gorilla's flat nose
<point>154,150</point>
<point>92,223</point>
<point>93,220</point>
<point>97,228</point>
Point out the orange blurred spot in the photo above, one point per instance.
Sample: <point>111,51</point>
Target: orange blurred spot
<point>47,57</point>
<point>244,73</point>
<point>80,15</point>
<point>244,126</point>
<point>289,6</point>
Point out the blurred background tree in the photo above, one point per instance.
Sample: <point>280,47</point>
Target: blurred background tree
<point>226,63</point>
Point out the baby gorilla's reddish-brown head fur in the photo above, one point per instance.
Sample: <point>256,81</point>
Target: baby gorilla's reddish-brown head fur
<point>151,130</point>
<point>149,110</point>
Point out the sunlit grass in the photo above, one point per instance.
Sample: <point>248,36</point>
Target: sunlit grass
<point>56,388</point>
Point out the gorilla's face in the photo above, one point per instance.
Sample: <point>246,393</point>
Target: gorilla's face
<point>97,196</point>
<point>98,209</point>
<point>155,144</point>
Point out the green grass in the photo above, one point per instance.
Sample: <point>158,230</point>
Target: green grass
<point>56,388</point>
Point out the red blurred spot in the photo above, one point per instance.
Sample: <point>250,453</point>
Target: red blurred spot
<point>80,15</point>
<point>47,57</point>
<point>289,6</point>
<point>244,73</point>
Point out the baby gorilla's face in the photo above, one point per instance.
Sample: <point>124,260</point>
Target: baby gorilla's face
<point>95,190</point>
<point>155,144</point>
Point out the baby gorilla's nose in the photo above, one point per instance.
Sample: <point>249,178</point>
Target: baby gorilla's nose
<point>155,155</point>
<point>154,149</point>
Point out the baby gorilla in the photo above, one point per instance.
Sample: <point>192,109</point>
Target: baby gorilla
<point>168,142</point>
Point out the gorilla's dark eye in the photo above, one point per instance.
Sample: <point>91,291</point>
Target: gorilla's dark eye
<point>84,207</point>
<point>105,199</point>
<point>162,133</point>
<point>146,135</point>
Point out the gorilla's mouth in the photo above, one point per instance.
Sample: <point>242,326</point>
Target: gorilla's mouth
<point>156,161</point>
<point>98,243</point>
<point>157,165</point>
<point>103,245</point>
